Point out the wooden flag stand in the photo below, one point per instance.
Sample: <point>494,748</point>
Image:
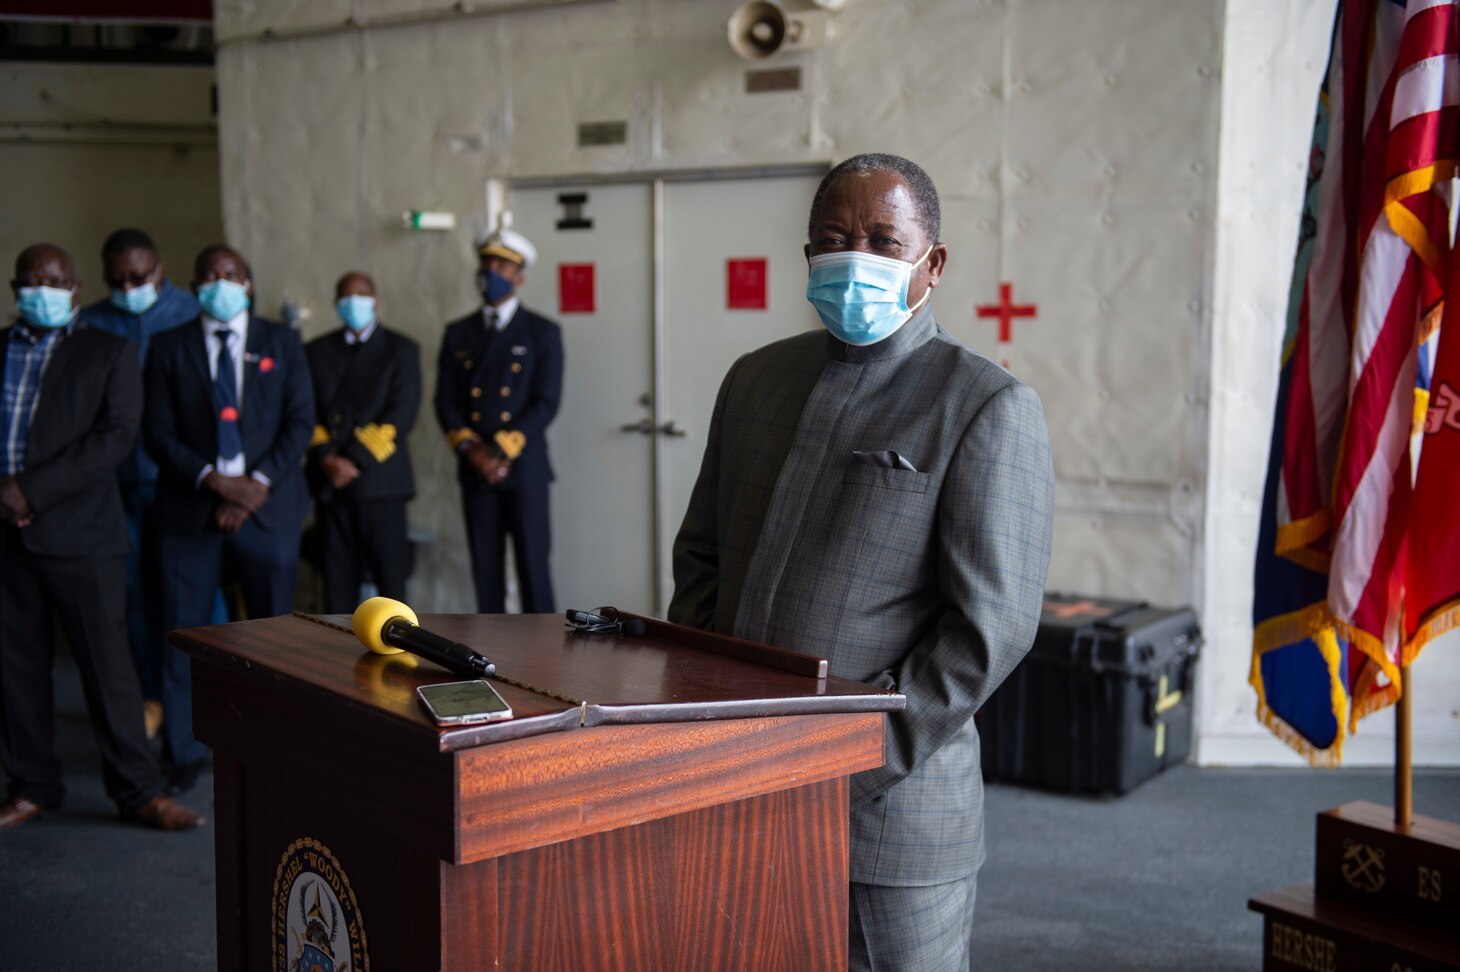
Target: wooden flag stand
<point>1378,901</point>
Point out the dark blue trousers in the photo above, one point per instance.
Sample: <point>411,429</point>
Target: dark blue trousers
<point>266,562</point>
<point>144,589</point>
<point>492,513</point>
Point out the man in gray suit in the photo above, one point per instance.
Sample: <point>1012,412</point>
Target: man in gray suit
<point>882,496</point>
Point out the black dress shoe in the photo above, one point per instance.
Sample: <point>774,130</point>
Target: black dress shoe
<point>183,777</point>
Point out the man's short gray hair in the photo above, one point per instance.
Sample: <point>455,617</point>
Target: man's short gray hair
<point>925,195</point>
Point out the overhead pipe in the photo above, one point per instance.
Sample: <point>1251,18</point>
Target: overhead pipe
<point>456,11</point>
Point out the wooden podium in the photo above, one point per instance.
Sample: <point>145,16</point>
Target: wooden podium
<point>676,801</point>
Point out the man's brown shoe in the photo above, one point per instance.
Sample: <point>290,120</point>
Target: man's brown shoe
<point>16,811</point>
<point>165,813</point>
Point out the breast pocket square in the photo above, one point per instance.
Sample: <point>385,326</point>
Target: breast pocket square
<point>887,460</point>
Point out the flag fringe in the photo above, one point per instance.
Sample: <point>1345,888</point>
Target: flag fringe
<point>1374,648</point>
<point>1329,758</point>
<point>1289,629</point>
<point>1373,701</point>
<point>1316,623</point>
<point>1315,560</point>
<point>1405,223</point>
<point>1440,622</point>
<point>1295,536</point>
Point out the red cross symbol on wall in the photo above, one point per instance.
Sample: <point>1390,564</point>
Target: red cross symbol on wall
<point>1006,310</point>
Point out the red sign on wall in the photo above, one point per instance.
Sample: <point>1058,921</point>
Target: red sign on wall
<point>745,284</point>
<point>575,288</point>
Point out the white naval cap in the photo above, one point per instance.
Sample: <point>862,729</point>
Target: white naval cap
<point>508,244</point>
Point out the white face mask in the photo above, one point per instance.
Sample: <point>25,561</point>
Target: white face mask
<point>862,297</point>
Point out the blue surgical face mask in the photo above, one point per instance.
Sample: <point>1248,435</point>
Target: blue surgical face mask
<point>494,286</point>
<point>861,297</point>
<point>223,300</point>
<point>47,307</point>
<point>138,300</point>
<point>357,311</point>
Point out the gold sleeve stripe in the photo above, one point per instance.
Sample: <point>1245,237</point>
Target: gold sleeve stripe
<point>380,444</point>
<point>321,437</point>
<point>511,442</point>
<point>456,437</point>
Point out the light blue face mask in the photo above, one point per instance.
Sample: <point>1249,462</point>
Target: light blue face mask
<point>48,307</point>
<point>138,300</point>
<point>223,300</point>
<point>862,297</point>
<point>357,311</point>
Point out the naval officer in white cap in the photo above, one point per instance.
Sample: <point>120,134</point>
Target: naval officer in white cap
<point>499,379</point>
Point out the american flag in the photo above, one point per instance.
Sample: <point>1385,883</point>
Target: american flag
<point>1367,298</point>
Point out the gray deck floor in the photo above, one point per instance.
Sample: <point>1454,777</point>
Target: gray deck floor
<point>1158,879</point>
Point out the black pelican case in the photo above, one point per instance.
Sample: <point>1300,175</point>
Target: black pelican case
<point>1101,703</point>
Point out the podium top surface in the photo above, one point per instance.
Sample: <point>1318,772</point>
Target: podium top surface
<point>553,677</point>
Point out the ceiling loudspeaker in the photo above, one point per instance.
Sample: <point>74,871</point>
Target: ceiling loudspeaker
<point>762,28</point>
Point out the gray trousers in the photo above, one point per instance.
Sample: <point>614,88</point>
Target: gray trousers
<point>923,929</point>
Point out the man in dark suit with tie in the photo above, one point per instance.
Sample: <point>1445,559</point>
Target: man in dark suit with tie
<point>367,391</point>
<point>228,416</point>
<point>69,407</point>
<point>499,378</point>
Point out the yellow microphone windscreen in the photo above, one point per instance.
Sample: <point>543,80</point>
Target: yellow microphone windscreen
<point>370,619</point>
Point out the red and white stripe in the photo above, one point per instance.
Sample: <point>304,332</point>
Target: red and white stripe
<point>1412,126</point>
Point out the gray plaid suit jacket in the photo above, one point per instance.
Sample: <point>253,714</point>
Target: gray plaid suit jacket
<point>888,508</point>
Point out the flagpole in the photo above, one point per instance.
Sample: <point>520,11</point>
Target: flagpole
<point>1403,775</point>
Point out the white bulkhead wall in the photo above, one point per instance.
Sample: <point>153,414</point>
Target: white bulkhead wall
<point>1075,144</point>
<point>88,148</point>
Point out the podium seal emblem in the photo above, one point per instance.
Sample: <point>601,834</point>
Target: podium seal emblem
<point>315,918</point>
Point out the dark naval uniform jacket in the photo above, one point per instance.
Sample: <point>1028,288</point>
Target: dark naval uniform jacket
<point>366,399</point>
<point>505,382</point>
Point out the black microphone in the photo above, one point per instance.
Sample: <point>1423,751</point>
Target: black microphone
<point>605,620</point>
<point>386,626</point>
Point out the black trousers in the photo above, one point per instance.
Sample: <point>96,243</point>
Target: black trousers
<point>89,596</point>
<point>266,562</point>
<point>357,536</point>
<point>491,514</point>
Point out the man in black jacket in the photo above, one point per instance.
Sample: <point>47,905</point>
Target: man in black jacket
<point>228,414</point>
<point>69,407</point>
<point>498,381</point>
<point>367,391</point>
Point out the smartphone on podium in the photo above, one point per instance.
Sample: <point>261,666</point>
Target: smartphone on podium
<point>460,703</point>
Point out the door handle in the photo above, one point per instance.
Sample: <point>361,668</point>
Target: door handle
<point>646,427</point>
